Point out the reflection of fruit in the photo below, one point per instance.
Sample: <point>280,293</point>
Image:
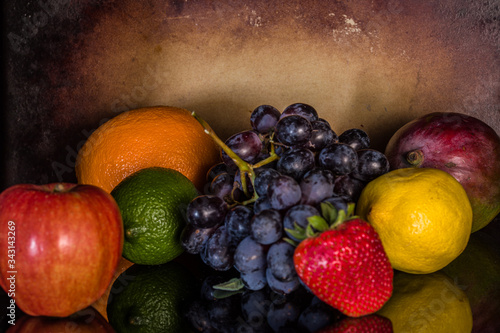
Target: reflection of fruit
<point>101,303</point>
<point>148,137</point>
<point>153,300</point>
<point>85,321</point>
<point>345,266</point>
<point>67,243</point>
<point>477,271</point>
<point>152,202</point>
<point>427,303</point>
<point>422,215</point>
<point>461,145</point>
<point>371,323</point>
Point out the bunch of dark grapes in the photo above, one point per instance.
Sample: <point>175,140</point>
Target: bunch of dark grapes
<point>272,179</point>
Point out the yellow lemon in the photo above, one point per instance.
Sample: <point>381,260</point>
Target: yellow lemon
<point>422,215</point>
<point>427,303</point>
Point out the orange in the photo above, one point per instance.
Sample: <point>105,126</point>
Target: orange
<point>159,136</point>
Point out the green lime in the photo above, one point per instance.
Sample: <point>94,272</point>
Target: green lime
<point>152,299</point>
<point>152,203</point>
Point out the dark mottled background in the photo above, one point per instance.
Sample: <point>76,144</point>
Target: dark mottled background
<point>71,65</point>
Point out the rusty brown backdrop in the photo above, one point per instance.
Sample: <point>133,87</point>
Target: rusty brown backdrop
<point>70,65</point>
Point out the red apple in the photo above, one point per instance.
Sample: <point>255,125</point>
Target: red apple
<point>85,321</point>
<point>459,144</point>
<point>61,244</point>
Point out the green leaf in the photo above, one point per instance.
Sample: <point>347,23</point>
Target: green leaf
<point>340,218</point>
<point>329,212</point>
<point>290,241</point>
<point>350,209</point>
<point>310,231</point>
<point>297,227</point>
<point>300,235</point>
<point>318,223</point>
<point>219,294</point>
<point>232,285</point>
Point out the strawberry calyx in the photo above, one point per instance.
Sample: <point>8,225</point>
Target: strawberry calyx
<point>330,219</point>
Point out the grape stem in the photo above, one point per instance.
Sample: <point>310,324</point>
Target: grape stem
<point>246,169</point>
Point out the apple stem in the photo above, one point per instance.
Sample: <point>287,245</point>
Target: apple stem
<point>59,188</point>
<point>415,157</point>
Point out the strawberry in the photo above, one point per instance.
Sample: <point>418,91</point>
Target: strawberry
<point>366,324</point>
<point>343,263</point>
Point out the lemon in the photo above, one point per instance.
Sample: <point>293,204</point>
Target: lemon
<point>152,299</point>
<point>427,303</point>
<point>422,215</point>
<point>152,202</point>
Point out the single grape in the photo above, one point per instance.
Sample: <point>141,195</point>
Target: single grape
<point>316,185</point>
<point>321,136</point>
<point>266,227</point>
<point>298,214</point>
<point>247,145</point>
<point>206,211</point>
<point>262,179</point>
<point>324,121</point>
<point>356,138</point>
<point>349,187</point>
<point>301,109</point>
<point>284,192</point>
<point>237,222</point>
<point>340,158</point>
<point>254,280</point>
<point>283,314</point>
<point>222,185</point>
<point>371,164</point>
<point>293,130</point>
<point>249,256</point>
<point>254,307</point>
<point>261,204</point>
<point>280,261</point>
<point>296,162</point>
<point>281,287</point>
<point>194,239</point>
<point>218,252</point>
<point>216,170</point>
<point>318,315</point>
<point>264,118</point>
